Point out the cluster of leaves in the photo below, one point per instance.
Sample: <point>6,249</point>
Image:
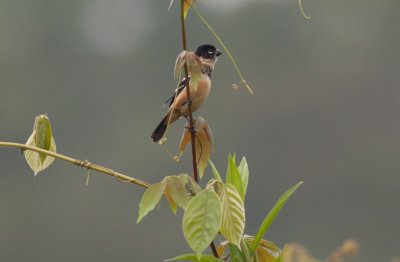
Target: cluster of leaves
<point>217,209</point>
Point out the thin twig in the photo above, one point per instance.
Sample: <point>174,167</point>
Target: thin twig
<point>85,164</point>
<point>230,56</point>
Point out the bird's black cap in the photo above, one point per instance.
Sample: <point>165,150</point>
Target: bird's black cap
<point>207,51</point>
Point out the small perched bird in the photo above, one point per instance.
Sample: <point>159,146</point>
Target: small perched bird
<point>178,102</point>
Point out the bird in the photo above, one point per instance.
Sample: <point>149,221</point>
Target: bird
<point>178,102</point>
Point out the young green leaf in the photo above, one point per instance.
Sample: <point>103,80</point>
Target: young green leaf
<point>150,199</point>
<point>272,215</point>
<point>193,257</point>
<point>244,174</point>
<point>202,220</point>
<point>233,176</point>
<point>43,134</point>
<point>41,137</point>
<point>233,214</point>
<point>215,171</point>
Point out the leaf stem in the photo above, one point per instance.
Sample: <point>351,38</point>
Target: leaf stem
<point>85,164</point>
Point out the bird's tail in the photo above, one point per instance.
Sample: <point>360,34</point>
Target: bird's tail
<point>159,131</point>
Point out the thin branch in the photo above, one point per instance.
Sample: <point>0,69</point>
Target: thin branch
<point>85,164</point>
<point>191,127</point>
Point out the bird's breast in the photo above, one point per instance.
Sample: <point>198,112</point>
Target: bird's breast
<point>200,93</point>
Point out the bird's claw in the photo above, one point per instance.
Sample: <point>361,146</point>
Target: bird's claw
<point>191,129</point>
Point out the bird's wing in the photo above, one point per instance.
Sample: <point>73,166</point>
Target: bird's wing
<point>181,86</point>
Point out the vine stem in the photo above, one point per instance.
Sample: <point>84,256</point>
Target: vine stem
<point>85,164</point>
<point>191,128</point>
<point>192,131</point>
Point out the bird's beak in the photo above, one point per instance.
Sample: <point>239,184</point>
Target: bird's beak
<point>218,53</point>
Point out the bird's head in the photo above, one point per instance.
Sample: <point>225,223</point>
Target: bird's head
<point>208,52</point>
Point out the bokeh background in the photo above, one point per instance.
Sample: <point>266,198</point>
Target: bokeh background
<point>326,111</point>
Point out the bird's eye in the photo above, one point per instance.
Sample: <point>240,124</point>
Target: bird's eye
<point>210,52</point>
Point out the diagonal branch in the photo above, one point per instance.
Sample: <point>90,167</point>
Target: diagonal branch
<point>85,164</point>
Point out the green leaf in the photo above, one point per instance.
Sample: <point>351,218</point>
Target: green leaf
<point>41,137</point>
<point>272,215</point>
<point>233,214</point>
<point>43,134</point>
<point>193,257</point>
<point>176,188</point>
<point>244,174</point>
<point>150,199</point>
<point>233,176</point>
<point>236,254</point>
<point>215,171</point>
<point>202,220</point>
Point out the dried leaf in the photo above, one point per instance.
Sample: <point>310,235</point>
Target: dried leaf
<point>349,249</point>
<point>266,250</point>
<point>186,6</point>
<point>179,62</point>
<point>203,143</point>
<point>220,250</point>
<point>185,140</point>
<point>193,64</point>
<point>168,192</point>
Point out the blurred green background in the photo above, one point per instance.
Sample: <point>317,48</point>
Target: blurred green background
<point>326,110</point>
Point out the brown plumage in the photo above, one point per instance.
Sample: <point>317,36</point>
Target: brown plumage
<point>178,103</point>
